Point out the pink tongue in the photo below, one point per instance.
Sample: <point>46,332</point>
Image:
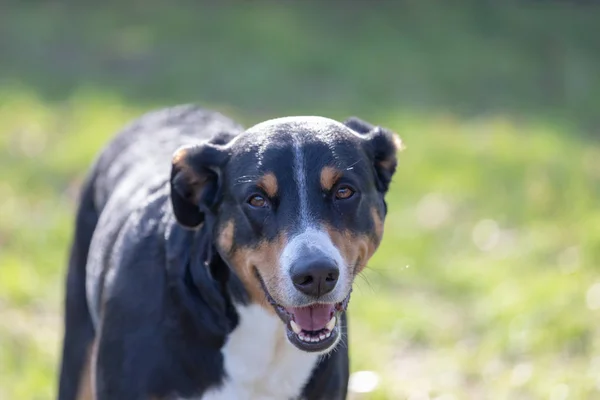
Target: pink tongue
<point>312,318</point>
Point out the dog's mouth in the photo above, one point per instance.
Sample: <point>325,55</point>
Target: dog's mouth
<point>312,328</point>
<point>315,327</point>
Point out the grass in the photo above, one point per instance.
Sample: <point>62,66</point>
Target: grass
<point>484,285</point>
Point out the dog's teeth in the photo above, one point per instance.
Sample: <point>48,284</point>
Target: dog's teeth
<point>314,339</point>
<point>322,336</point>
<point>328,334</point>
<point>331,324</point>
<point>295,327</point>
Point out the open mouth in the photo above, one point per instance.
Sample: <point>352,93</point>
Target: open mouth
<point>312,328</point>
<point>315,327</point>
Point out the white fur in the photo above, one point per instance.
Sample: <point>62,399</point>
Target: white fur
<point>261,364</point>
<point>315,240</point>
<point>300,177</point>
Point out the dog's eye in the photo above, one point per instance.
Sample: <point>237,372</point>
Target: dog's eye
<point>344,192</point>
<point>257,201</point>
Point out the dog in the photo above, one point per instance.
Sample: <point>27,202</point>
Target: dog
<point>214,262</point>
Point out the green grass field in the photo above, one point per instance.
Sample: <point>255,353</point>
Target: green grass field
<point>486,285</point>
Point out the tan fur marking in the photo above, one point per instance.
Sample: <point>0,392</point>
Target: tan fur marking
<point>194,180</point>
<point>391,162</point>
<point>226,236</point>
<point>85,390</point>
<point>268,183</point>
<point>265,258</point>
<point>179,156</point>
<point>388,164</point>
<point>356,250</point>
<point>377,222</point>
<point>329,176</point>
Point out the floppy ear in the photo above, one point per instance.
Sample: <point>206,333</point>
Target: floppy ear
<point>195,175</point>
<point>382,146</point>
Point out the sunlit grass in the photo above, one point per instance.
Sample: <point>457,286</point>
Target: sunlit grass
<point>481,288</point>
<point>44,153</point>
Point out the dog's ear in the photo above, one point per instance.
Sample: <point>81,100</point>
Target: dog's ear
<point>195,175</point>
<point>382,146</point>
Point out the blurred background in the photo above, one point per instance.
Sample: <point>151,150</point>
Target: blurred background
<point>487,284</point>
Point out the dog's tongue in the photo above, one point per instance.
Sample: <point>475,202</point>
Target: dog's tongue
<point>312,318</point>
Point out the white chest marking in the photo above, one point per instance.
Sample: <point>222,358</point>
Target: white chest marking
<point>259,361</point>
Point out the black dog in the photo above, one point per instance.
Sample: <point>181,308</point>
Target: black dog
<point>228,276</point>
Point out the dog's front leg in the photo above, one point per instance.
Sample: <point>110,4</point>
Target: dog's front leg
<point>127,354</point>
<point>115,374</point>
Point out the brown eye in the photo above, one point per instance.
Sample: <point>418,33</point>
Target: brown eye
<point>344,192</point>
<point>257,201</point>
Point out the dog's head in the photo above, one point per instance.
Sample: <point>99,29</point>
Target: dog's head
<point>298,207</point>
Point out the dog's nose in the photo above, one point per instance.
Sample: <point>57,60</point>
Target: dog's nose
<point>315,277</point>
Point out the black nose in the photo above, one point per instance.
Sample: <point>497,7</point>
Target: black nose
<point>315,277</point>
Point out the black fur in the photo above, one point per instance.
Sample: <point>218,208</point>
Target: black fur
<point>159,292</point>
<point>79,331</point>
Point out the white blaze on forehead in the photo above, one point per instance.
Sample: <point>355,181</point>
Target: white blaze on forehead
<point>300,178</point>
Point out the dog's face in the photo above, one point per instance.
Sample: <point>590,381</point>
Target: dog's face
<point>299,208</point>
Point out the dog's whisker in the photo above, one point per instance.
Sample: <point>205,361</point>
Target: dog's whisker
<point>365,280</point>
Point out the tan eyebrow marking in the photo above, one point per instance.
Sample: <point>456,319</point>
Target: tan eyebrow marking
<point>329,176</point>
<point>268,183</point>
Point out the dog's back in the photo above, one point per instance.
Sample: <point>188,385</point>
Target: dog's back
<point>138,159</point>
